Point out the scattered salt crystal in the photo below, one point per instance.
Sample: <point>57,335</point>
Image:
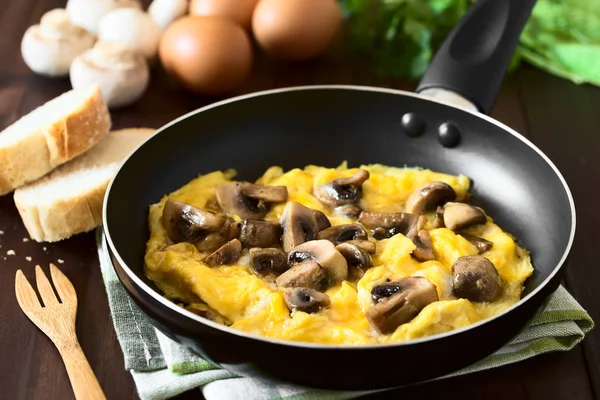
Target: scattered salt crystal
<point>28,258</point>
<point>60,261</point>
<point>44,248</point>
<point>10,253</point>
<point>25,240</point>
<point>1,232</point>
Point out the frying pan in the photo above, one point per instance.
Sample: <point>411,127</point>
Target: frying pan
<point>513,181</point>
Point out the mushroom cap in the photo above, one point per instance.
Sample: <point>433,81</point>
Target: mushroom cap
<point>305,274</point>
<point>121,73</point>
<point>88,13</point>
<point>475,278</point>
<point>482,244</point>
<point>355,256</point>
<point>428,196</point>
<point>367,245</point>
<point>133,27</point>
<point>248,200</point>
<point>229,253</point>
<point>424,250</point>
<point>186,223</point>
<point>266,261</point>
<point>305,299</point>
<point>299,225</point>
<point>50,47</point>
<point>460,215</point>
<point>386,225</point>
<point>343,233</point>
<point>163,12</point>
<point>256,233</point>
<point>325,254</point>
<point>405,301</point>
<point>229,231</point>
<point>322,220</point>
<point>343,190</point>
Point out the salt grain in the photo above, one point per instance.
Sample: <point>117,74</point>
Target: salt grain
<point>11,253</point>
<point>25,240</point>
<point>28,258</point>
<point>44,248</point>
<point>60,261</point>
<point>1,232</point>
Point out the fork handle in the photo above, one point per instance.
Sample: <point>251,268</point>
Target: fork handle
<point>83,381</point>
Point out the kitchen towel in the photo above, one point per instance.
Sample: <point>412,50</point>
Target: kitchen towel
<point>162,368</point>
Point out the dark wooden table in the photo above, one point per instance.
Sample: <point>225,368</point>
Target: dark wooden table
<point>560,117</point>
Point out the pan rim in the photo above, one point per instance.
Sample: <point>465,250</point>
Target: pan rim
<point>225,329</point>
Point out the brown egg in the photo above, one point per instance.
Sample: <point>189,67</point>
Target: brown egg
<point>210,55</point>
<point>296,29</point>
<point>239,11</point>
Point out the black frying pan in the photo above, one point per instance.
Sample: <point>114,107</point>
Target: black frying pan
<point>512,180</point>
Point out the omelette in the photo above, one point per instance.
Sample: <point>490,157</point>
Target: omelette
<point>338,256</point>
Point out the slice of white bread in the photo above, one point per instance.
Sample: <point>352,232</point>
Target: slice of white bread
<point>69,199</point>
<point>51,135</point>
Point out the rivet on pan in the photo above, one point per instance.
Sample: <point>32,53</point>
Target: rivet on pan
<point>448,134</point>
<point>412,124</point>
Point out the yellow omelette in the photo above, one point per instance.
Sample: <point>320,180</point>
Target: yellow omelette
<point>237,296</point>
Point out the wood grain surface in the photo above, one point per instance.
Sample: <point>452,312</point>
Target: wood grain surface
<point>560,117</point>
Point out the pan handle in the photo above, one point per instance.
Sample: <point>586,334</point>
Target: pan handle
<point>471,63</point>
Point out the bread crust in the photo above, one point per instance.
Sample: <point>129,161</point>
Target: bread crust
<point>65,217</point>
<point>49,146</point>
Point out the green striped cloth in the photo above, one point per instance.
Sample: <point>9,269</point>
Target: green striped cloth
<point>162,368</point>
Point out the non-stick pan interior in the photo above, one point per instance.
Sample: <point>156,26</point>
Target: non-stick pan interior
<point>512,181</point>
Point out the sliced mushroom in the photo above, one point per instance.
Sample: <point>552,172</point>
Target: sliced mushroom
<point>366,245</point>
<point>424,250</point>
<point>342,191</point>
<point>342,233</point>
<point>438,221</point>
<point>476,278</point>
<point>413,294</point>
<point>229,253</point>
<point>357,258</point>
<point>267,261</point>
<point>482,244</point>
<point>321,218</point>
<point>260,233</point>
<point>299,225</point>
<point>305,299</point>
<point>386,225</point>
<point>460,215</point>
<point>387,289</point>
<point>229,231</point>
<point>249,200</point>
<point>186,223</point>
<point>349,210</point>
<point>428,196</point>
<point>305,274</point>
<point>325,254</point>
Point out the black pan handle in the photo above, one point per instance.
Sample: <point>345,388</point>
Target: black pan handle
<point>474,58</point>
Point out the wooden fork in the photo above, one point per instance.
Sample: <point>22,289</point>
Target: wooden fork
<point>57,320</point>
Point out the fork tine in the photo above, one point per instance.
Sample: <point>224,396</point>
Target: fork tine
<point>26,296</point>
<point>44,287</point>
<point>63,285</point>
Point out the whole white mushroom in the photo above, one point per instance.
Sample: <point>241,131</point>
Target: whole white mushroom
<point>50,47</point>
<point>121,73</point>
<point>163,12</point>
<point>87,13</point>
<point>133,27</point>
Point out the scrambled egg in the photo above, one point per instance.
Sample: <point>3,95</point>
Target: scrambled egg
<point>246,302</point>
